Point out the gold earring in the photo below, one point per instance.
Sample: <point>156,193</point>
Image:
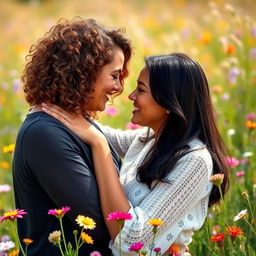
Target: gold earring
<point>168,112</point>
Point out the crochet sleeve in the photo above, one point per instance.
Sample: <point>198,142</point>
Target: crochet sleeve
<point>119,139</point>
<point>170,202</point>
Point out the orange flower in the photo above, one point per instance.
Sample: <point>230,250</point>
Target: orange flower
<point>155,222</point>
<point>218,238</point>
<point>230,49</point>
<point>234,232</point>
<point>14,253</point>
<point>174,250</point>
<point>250,124</point>
<point>206,37</point>
<point>27,241</point>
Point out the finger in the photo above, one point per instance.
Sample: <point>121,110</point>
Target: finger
<point>63,120</point>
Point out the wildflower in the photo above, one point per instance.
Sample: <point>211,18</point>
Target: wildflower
<point>27,241</point>
<point>9,148</point>
<point>12,214</point>
<point>232,162</point>
<point>252,53</point>
<point>5,246</point>
<point>247,154</point>
<point>251,116</point>
<point>155,222</point>
<point>54,237</point>
<point>254,190</point>
<point>231,132</point>
<point>205,38</point>
<point>4,164</point>
<point>14,253</point>
<point>136,247</point>
<point>217,179</point>
<point>218,238</point>
<point>240,173</point>
<point>86,238</point>
<point>245,195</point>
<point>157,249</point>
<point>131,126</point>
<point>215,229</point>
<point>5,188</point>
<point>59,213</point>
<point>234,232</point>
<point>85,222</point>
<point>174,250</point>
<point>5,238</point>
<point>240,215</point>
<point>230,49</point>
<point>95,253</point>
<point>249,124</point>
<point>119,216</point>
<point>225,96</point>
<point>217,89</point>
<point>254,32</point>
<point>232,75</point>
<point>111,111</point>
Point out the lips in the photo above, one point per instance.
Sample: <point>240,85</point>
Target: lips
<point>135,110</point>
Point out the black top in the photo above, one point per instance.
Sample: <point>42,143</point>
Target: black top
<point>52,168</point>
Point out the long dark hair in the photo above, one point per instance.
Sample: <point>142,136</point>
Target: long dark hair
<point>179,85</point>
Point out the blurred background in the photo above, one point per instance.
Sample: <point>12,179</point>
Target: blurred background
<point>219,34</point>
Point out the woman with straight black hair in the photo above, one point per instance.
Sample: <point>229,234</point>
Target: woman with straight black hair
<point>167,166</point>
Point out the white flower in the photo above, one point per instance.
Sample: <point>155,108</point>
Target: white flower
<point>231,132</point>
<point>247,154</point>
<point>5,246</point>
<point>240,215</point>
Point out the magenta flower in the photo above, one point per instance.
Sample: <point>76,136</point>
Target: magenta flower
<point>240,173</point>
<point>12,214</point>
<point>232,162</point>
<point>131,126</point>
<point>59,213</point>
<point>157,249</point>
<point>251,116</point>
<point>111,111</point>
<point>95,253</point>
<point>136,247</point>
<point>119,216</point>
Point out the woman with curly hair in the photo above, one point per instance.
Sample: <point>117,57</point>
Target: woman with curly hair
<point>78,65</point>
<point>167,165</point>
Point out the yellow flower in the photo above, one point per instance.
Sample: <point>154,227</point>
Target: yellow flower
<point>86,238</point>
<point>5,165</point>
<point>9,148</point>
<point>27,241</point>
<point>155,222</point>
<point>206,37</point>
<point>14,253</point>
<point>217,179</point>
<point>85,222</point>
<point>245,195</point>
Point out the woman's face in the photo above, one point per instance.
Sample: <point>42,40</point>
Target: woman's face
<point>146,111</point>
<point>107,82</point>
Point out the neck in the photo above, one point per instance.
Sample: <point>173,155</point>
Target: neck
<point>35,108</point>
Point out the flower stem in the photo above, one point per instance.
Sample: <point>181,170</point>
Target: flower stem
<point>62,231</point>
<point>17,235</point>
<point>120,238</point>
<point>250,207</point>
<point>226,216</point>
<point>250,226</point>
<point>61,251</point>
<point>154,236</point>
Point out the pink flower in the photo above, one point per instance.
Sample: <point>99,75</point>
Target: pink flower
<point>12,214</point>
<point>5,188</point>
<point>240,173</point>
<point>59,213</point>
<point>232,162</point>
<point>157,249</point>
<point>131,126</point>
<point>119,216</point>
<point>136,247</point>
<point>95,253</point>
<point>111,111</point>
<point>251,116</point>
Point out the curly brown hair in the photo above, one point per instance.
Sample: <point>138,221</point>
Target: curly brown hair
<point>63,66</point>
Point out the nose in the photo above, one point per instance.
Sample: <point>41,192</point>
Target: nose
<point>132,96</point>
<point>117,86</point>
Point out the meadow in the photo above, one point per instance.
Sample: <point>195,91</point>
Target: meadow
<point>220,35</point>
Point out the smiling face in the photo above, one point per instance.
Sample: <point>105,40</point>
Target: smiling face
<point>107,82</point>
<point>146,111</point>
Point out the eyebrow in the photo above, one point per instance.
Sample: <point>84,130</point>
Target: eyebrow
<point>117,70</point>
<point>141,83</point>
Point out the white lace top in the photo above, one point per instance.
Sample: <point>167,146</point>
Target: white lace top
<point>181,204</point>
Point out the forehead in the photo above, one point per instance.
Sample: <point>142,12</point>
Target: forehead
<point>144,75</point>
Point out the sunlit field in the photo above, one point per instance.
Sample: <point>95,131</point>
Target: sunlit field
<point>220,35</point>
